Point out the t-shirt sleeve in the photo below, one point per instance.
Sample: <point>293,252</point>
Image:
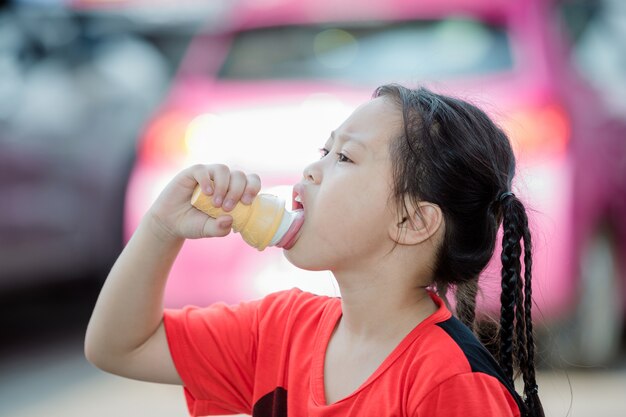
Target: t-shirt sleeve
<point>214,351</point>
<point>469,395</point>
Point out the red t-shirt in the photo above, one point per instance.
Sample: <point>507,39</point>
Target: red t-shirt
<point>266,358</point>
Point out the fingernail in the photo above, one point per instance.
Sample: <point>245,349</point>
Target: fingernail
<point>224,224</point>
<point>247,199</point>
<point>229,204</point>
<point>217,201</point>
<point>208,190</point>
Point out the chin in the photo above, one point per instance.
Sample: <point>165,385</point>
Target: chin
<point>302,260</point>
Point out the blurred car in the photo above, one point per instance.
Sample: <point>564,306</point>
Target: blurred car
<point>263,94</point>
<point>74,92</point>
<point>598,31</point>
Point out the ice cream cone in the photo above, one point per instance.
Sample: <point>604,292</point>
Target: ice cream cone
<point>258,223</point>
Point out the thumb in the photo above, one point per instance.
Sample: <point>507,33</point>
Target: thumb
<point>218,227</point>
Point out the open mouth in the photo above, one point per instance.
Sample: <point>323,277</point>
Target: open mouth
<point>296,202</point>
<point>296,217</point>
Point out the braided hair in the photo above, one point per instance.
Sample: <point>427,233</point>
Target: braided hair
<point>516,297</point>
<point>452,154</point>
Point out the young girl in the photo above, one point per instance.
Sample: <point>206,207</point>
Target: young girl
<point>403,205</point>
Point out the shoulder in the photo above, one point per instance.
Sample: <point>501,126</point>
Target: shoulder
<point>295,298</point>
<point>294,302</point>
<point>272,311</point>
<point>448,347</point>
<point>455,363</point>
<point>461,342</point>
<point>294,308</point>
<point>470,394</point>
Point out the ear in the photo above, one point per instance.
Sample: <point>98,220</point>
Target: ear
<point>418,224</point>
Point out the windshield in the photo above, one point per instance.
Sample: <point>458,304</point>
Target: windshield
<point>369,52</point>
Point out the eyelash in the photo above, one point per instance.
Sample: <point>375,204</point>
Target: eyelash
<point>340,156</point>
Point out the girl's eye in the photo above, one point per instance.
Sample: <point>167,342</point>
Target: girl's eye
<point>342,158</point>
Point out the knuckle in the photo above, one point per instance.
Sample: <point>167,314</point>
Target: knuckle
<point>254,181</point>
<point>221,167</point>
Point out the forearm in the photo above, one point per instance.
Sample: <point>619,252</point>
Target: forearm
<point>126,335</point>
<point>129,309</point>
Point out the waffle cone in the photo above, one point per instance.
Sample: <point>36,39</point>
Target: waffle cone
<point>257,223</point>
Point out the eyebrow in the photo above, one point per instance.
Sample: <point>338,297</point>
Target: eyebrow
<point>359,142</point>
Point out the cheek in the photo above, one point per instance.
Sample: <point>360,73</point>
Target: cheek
<point>344,221</point>
<point>323,242</point>
<point>350,230</point>
<point>352,214</point>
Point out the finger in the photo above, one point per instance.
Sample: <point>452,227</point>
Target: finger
<point>218,227</point>
<point>201,174</point>
<point>235,190</point>
<point>253,186</point>
<point>221,181</point>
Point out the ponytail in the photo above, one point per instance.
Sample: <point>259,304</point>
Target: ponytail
<point>466,302</point>
<point>466,181</point>
<point>516,328</point>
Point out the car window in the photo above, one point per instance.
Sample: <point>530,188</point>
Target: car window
<point>369,52</point>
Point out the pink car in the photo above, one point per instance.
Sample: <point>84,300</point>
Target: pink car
<point>264,92</point>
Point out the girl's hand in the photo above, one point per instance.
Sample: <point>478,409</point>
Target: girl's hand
<point>174,215</point>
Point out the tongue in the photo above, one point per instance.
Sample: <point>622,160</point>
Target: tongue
<point>290,237</point>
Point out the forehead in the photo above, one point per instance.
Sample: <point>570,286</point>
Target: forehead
<point>374,122</point>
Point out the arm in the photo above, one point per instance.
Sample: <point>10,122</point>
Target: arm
<point>125,335</point>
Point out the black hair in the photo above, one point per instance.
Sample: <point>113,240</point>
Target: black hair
<point>452,154</point>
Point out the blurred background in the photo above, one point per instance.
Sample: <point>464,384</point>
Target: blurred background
<point>102,101</point>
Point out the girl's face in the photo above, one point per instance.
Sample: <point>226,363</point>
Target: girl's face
<point>346,194</point>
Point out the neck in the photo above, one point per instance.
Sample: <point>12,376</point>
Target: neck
<point>378,309</point>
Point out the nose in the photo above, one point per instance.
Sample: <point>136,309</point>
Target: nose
<point>312,173</point>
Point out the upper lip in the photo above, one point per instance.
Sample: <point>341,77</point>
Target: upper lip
<point>298,190</point>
